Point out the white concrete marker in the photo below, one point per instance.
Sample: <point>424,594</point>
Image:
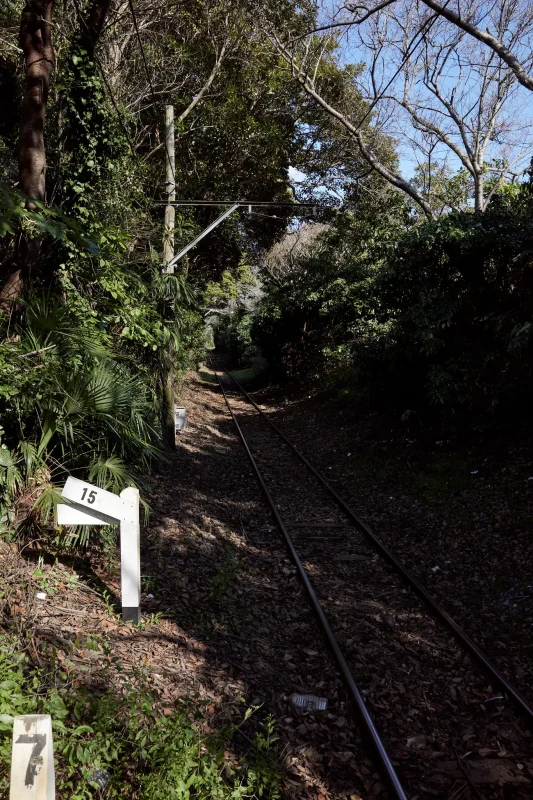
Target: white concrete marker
<point>90,505</point>
<point>130,556</point>
<point>32,759</point>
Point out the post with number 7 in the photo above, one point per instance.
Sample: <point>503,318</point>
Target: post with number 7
<point>89,505</point>
<point>32,759</point>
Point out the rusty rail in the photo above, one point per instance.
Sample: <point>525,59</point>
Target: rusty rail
<point>460,634</point>
<point>366,721</point>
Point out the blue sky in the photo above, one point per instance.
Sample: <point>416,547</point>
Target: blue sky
<point>520,108</point>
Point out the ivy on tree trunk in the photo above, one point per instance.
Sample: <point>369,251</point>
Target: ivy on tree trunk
<point>39,58</point>
<point>36,42</point>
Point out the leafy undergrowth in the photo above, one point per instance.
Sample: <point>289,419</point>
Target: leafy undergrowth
<point>115,734</point>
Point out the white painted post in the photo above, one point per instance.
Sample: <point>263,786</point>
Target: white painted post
<point>180,419</point>
<point>32,759</point>
<point>90,505</point>
<point>130,556</point>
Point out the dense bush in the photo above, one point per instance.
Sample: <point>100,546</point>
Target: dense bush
<point>437,312</point>
<point>456,297</point>
<point>80,360</point>
<point>310,320</point>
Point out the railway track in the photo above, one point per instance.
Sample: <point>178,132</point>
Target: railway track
<point>366,570</point>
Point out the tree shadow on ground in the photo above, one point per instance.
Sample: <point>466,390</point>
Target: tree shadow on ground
<point>218,569</point>
<point>229,585</point>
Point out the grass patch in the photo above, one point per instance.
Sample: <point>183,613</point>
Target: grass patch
<point>115,736</point>
<point>124,742</point>
<point>442,479</point>
<point>254,374</point>
<point>207,375</point>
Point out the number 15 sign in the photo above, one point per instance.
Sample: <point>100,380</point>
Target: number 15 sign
<point>85,504</point>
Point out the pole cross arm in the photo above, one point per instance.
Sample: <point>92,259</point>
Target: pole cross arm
<point>201,235</point>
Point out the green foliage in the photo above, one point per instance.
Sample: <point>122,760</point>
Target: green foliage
<point>454,293</point>
<point>94,144</point>
<point>444,189</point>
<point>428,313</point>
<point>39,221</point>
<point>234,336</point>
<point>126,742</point>
<point>310,319</point>
<point>69,406</point>
<point>229,287</point>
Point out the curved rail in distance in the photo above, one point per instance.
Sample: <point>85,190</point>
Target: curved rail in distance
<point>437,610</point>
<point>366,721</point>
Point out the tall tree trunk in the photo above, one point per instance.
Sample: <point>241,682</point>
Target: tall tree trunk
<point>479,189</point>
<point>36,42</point>
<point>93,24</point>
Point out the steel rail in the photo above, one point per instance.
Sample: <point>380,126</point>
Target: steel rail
<point>365,719</point>
<point>431,603</point>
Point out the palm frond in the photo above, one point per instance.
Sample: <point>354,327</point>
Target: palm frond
<point>47,502</point>
<point>10,476</point>
<point>50,322</point>
<point>110,473</point>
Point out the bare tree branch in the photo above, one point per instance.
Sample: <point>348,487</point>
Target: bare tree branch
<point>368,12</point>
<point>487,38</point>
<point>207,85</point>
<point>309,86</point>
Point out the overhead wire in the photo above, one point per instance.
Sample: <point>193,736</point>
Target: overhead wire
<point>267,216</point>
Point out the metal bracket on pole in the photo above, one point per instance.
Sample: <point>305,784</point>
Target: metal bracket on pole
<point>201,235</point>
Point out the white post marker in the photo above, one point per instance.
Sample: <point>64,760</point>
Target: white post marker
<point>32,759</point>
<point>180,419</point>
<point>90,505</point>
<point>130,556</point>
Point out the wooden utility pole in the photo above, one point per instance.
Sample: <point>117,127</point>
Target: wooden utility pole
<point>168,409</point>
<point>170,185</point>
